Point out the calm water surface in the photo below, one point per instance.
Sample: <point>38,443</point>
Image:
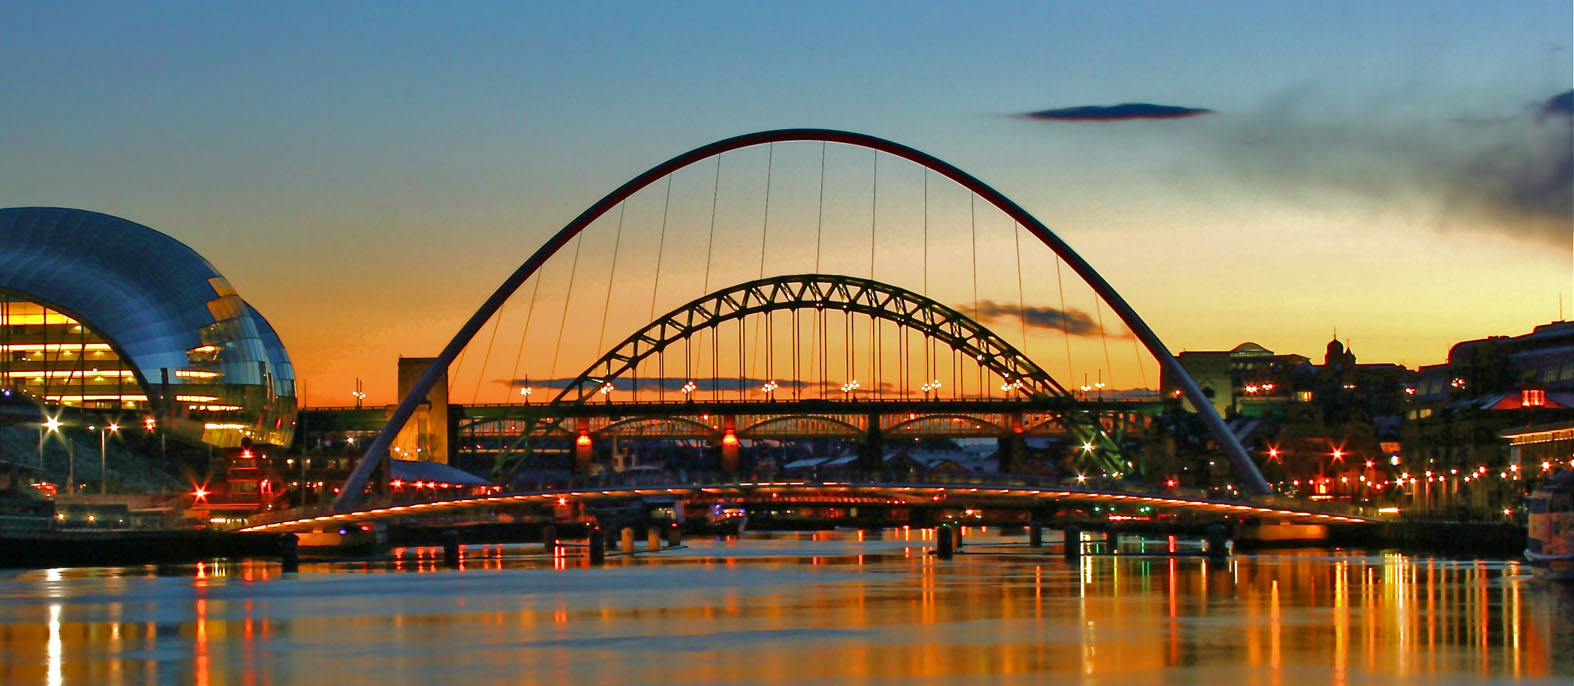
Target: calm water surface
<point>827,608</point>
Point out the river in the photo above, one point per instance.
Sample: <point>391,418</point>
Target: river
<point>842,607</point>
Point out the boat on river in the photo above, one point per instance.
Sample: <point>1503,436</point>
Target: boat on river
<point>1550,544</point>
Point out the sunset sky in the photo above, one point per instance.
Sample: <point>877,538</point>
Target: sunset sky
<point>366,173</point>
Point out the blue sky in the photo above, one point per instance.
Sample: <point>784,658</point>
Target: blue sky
<point>366,172</point>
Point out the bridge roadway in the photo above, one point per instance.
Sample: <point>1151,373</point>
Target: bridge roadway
<point>959,495</point>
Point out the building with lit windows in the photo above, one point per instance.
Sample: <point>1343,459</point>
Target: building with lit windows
<point>105,315</point>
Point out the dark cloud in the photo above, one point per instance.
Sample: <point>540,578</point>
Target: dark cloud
<point>1074,322</point>
<point>1560,105</point>
<point>1122,112</point>
<point>1505,168</point>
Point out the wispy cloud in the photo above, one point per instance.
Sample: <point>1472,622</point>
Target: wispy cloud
<point>1508,169</point>
<point>1122,112</point>
<point>705,386</point>
<point>1074,322</point>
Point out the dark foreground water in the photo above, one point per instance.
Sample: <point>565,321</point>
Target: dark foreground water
<point>828,608</point>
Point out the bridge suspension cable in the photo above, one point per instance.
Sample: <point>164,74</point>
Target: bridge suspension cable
<point>876,341</point>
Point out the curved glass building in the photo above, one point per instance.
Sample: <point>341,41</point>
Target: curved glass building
<point>104,314</point>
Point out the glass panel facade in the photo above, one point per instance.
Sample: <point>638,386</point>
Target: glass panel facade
<point>98,312</point>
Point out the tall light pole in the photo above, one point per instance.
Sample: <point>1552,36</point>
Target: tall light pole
<point>51,425</point>
<point>103,460</point>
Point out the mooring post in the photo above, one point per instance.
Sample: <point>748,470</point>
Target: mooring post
<point>1073,546</point>
<point>1035,535</point>
<point>1112,541</point>
<point>674,535</point>
<point>653,538</point>
<point>548,538</point>
<point>957,531</point>
<point>944,542</point>
<point>451,548</point>
<point>626,544</point>
<point>598,547</point>
<point>290,553</point>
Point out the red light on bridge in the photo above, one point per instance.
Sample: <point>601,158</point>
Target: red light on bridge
<point>583,441</point>
<point>729,439</point>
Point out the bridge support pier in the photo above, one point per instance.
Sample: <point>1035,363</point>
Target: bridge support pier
<point>1035,535</point>
<point>729,444</point>
<point>627,541</point>
<point>598,546</point>
<point>548,538</point>
<point>1218,542</point>
<point>290,553</point>
<point>584,453</point>
<point>944,542</point>
<point>653,539</point>
<point>1072,549</point>
<point>872,451</point>
<point>451,549</point>
<point>674,535</point>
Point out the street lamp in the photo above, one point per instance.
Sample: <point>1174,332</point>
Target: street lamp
<point>51,425</point>
<point>103,462</point>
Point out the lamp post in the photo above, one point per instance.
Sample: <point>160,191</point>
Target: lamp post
<point>51,425</point>
<point>103,460</point>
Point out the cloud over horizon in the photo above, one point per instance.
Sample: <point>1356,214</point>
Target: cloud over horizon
<point>1508,170</point>
<point>1074,322</point>
<point>1122,112</point>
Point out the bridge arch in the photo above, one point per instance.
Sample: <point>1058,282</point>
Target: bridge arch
<point>984,426</point>
<point>761,427</point>
<point>699,428</point>
<point>378,449</point>
<point>815,291</point>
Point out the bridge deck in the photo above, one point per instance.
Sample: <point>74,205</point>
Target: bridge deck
<point>797,492</point>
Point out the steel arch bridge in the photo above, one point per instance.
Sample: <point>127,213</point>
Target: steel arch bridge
<point>820,293</point>
<point>377,450</point>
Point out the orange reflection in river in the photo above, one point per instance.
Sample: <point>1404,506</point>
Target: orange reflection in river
<point>785,609</point>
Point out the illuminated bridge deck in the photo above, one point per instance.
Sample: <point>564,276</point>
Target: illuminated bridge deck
<point>821,493</point>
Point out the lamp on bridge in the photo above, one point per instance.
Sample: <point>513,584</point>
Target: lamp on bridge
<point>770,387</point>
<point>850,387</point>
<point>688,389</point>
<point>931,386</point>
<point>525,391</point>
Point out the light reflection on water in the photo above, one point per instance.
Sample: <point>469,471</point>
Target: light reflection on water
<point>831,607</point>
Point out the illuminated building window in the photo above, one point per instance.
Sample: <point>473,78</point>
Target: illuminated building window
<point>1303,396</point>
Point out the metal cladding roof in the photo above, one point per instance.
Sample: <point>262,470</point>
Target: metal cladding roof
<point>411,470</point>
<point>152,296</point>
